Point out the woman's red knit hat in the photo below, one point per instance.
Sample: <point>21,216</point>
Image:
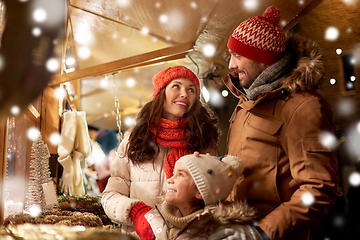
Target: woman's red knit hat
<point>162,78</point>
<point>260,38</point>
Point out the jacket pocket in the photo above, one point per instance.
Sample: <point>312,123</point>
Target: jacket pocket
<point>269,126</point>
<point>262,138</point>
<point>320,161</point>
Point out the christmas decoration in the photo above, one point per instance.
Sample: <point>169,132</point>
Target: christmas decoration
<point>39,175</point>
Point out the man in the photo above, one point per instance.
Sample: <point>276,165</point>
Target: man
<point>290,177</point>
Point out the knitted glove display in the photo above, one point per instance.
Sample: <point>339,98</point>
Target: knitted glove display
<point>82,139</point>
<point>142,226</point>
<point>79,189</point>
<point>67,178</point>
<point>68,132</point>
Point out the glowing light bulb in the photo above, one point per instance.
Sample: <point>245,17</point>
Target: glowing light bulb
<point>225,93</point>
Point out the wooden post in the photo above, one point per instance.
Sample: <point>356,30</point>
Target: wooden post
<point>3,144</point>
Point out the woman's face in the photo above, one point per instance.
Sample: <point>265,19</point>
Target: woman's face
<point>180,95</point>
<point>181,189</point>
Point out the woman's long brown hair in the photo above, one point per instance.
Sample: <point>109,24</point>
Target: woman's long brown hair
<point>201,131</point>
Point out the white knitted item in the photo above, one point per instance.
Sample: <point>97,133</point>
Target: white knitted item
<point>67,178</point>
<point>68,132</point>
<point>79,189</point>
<point>82,139</point>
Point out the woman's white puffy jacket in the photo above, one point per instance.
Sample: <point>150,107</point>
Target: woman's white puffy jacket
<point>129,185</point>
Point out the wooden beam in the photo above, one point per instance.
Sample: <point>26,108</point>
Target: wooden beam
<point>124,64</point>
<point>32,113</point>
<point>3,152</point>
<point>313,4</point>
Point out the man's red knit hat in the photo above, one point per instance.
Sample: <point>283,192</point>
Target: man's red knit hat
<point>260,38</point>
<point>162,78</point>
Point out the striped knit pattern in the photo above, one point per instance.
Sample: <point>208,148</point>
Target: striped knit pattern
<point>260,38</point>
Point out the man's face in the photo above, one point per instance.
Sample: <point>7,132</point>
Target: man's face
<point>247,69</point>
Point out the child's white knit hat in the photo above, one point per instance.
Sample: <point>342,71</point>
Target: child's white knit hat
<point>214,178</point>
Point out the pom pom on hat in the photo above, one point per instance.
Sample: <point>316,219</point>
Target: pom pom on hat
<point>162,78</point>
<point>260,38</point>
<point>214,179</point>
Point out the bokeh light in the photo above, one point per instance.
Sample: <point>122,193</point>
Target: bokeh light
<point>15,110</point>
<point>251,5</point>
<point>36,31</point>
<point>59,93</point>
<point>354,179</point>
<point>345,107</point>
<point>33,134</point>
<point>49,13</point>
<point>84,52</point>
<point>157,5</point>
<point>209,50</point>
<point>193,5</point>
<point>55,138</point>
<point>352,78</point>
<point>339,221</point>
<point>52,65</point>
<point>332,81</point>
<point>163,18</point>
<point>307,199</point>
<point>123,3</point>
<point>350,2</point>
<point>216,99</point>
<point>83,34</point>
<point>225,93</point>
<point>39,15</point>
<point>34,211</point>
<point>70,61</point>
<point>129,121</point>
<point>301,2</point>
<point>338,51</point>
<point>331,33</point>
<point>328,139</point>
<point>104,83</point>
<point>130,82</point>
<point>144,31</point>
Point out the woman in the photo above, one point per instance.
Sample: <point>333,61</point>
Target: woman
<point>173,124</point>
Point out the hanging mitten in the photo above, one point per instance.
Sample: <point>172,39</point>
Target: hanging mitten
<point>67,178</point>
<point>68,132</point>
<point>82,139</point>
<point>79,189</point>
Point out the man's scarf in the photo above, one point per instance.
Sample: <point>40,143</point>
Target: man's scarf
<point>171,134</point>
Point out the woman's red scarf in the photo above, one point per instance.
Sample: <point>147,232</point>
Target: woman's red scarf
<point>171,134</point>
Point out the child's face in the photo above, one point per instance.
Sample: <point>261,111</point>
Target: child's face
<point>181,188</point>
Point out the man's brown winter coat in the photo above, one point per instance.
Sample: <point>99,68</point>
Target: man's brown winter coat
<point>283,138</point>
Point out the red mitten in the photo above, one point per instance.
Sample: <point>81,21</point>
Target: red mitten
<point>142,226</point>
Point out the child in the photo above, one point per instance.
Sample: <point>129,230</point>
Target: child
<point>194,206</point>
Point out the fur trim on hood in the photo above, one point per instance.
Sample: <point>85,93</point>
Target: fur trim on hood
<point>309,72</point>
<point>234,212</point>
